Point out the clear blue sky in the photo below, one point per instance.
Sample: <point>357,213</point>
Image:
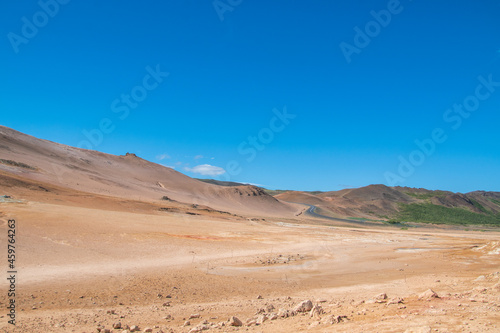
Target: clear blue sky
<point>230,65</point>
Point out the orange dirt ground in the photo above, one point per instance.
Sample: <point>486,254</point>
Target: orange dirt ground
<point>82,255</point>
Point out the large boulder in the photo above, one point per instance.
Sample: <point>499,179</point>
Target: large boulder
<point>428,295</point>
<point>233,321</point>
<point>304,306</point>
<point>380,298</point>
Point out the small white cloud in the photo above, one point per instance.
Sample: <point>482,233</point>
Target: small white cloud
<point>197,157</point>
<point>206,170</point>
<point>162,157</point>
<point>169,166</point>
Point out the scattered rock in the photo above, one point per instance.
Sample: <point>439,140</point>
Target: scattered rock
<point>316,311</point>
<point>199,328</point>
<point>187,323</point>
<point>380,298</point>
<point>117,325</point>
<point>148,330</point>
<point>261,319</point>
<point>269,308</point>
<point>303,306</point>
<point>194,316</point>
<point>251,322</point>
<point>273,316</point>
<point>233,321</point>
<point>282,313</point>
<point>333,319</point>
<point>395,300</point>
<point>427,295</point>
<point>260,297</point>
<point>480,278</point>
<point>134,328</point>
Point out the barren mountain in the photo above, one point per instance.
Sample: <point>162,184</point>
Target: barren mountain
<point>383,202</point>
<point>126,176</point>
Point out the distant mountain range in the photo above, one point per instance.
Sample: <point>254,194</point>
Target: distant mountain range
<point>399,204</point>
<point>31,165</point>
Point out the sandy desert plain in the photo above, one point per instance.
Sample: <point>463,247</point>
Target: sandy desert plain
<point>117,244</point>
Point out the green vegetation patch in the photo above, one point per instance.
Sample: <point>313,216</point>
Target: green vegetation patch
<point>363,219</point>
<point>479,206</point>
<point>429,213</point>
<point>495,201</point>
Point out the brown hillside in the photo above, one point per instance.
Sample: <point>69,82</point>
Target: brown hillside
<point>125,176</point>
<point>380,201</point>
